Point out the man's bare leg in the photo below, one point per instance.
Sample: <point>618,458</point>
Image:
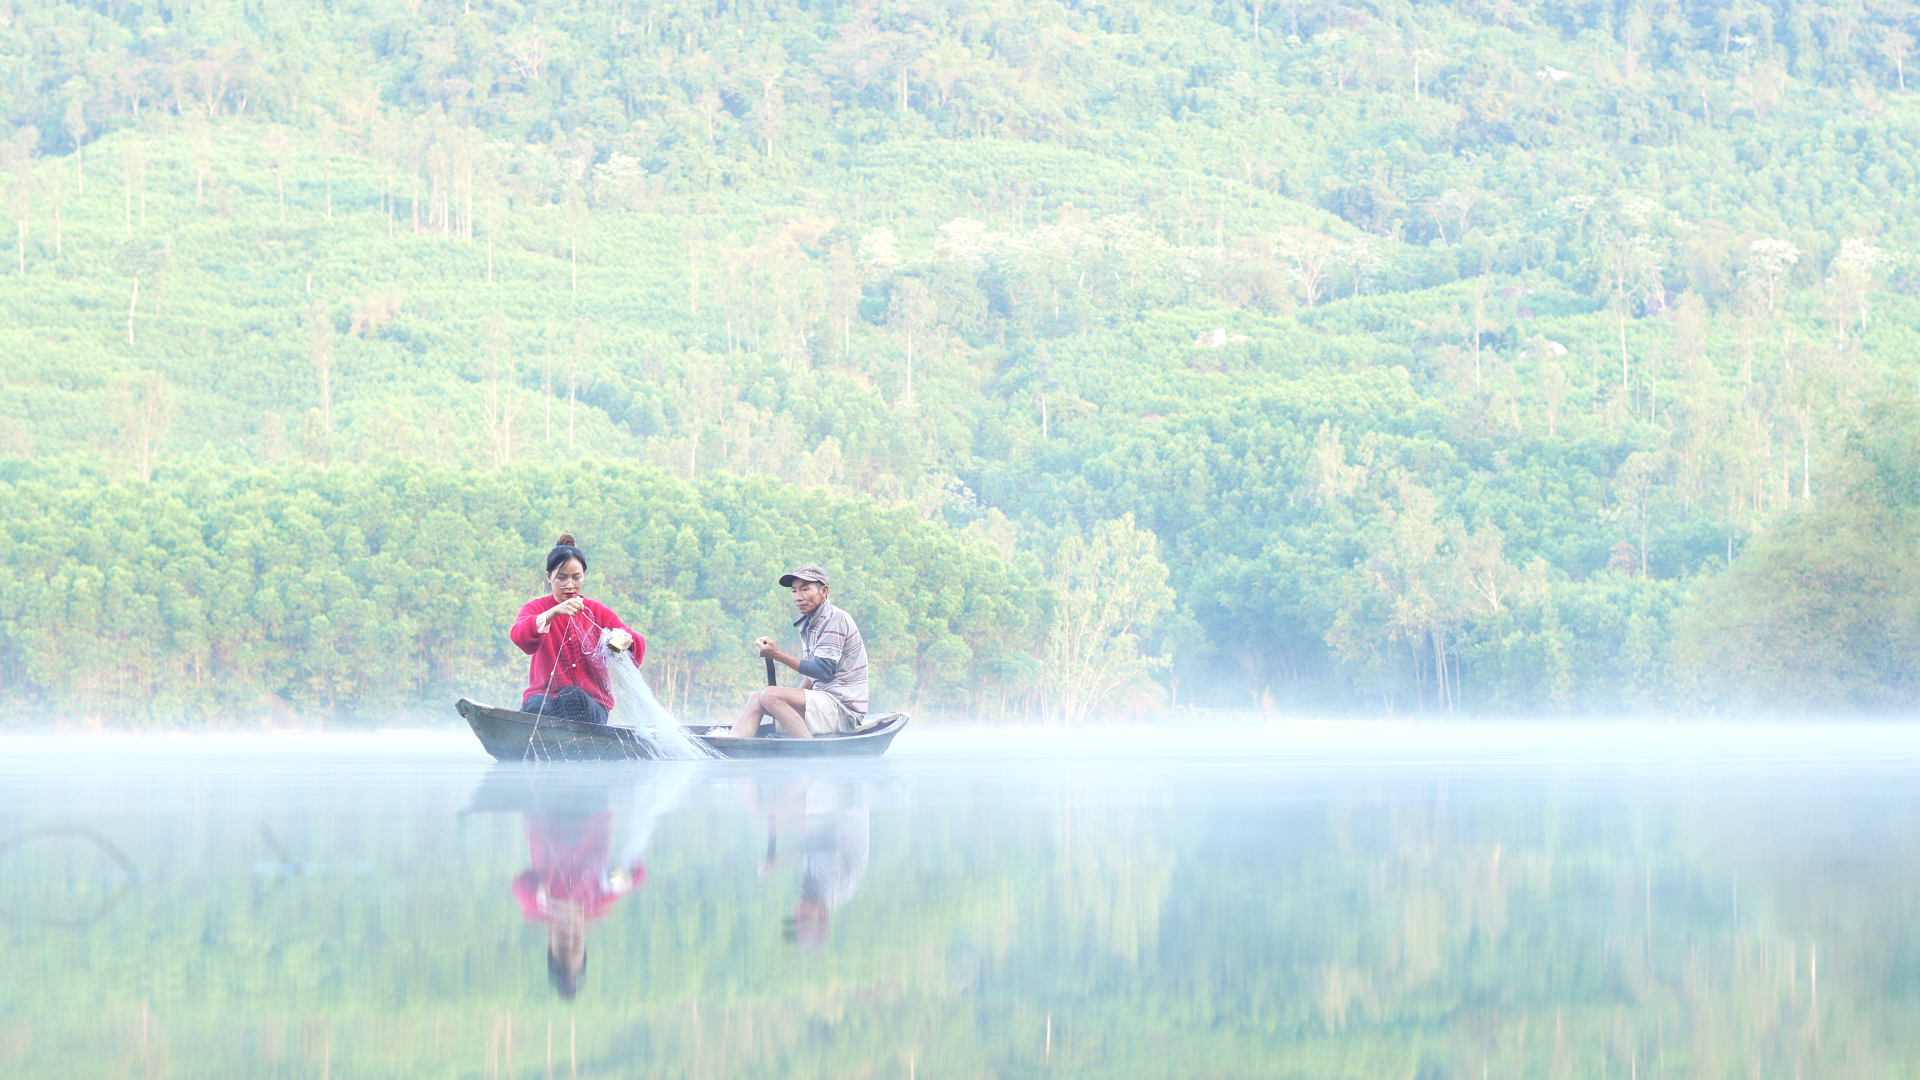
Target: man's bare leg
<point>786,704</point>
<point>749,720</point>
<point>788,707</point>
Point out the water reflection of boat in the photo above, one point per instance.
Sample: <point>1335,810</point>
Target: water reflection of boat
<point>510,735</point>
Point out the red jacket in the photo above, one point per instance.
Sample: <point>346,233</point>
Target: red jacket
<point>568,653</point>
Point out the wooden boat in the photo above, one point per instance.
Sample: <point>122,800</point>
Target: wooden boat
<point>511,735</point>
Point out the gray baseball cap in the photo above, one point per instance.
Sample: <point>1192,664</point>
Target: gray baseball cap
<point>809,572</point>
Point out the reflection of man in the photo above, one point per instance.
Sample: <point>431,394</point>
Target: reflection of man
<point>832,698</point>
<point>570,885</point>
<point>833,819</point>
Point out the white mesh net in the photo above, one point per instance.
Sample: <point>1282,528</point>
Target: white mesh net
<point>635,707</point>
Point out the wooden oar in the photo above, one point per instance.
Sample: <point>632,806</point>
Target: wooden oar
<point>771,679</point>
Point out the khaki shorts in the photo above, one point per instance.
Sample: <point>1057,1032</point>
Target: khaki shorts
<point>827,716</point>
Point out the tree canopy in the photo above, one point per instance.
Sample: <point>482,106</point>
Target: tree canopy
<point>1447,354</point>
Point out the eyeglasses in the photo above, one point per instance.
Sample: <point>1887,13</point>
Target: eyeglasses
<point>569,579</point>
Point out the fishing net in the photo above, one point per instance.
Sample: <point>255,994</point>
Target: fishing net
<point>635,707</point>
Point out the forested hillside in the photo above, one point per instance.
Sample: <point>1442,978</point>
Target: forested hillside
<point>1349,356</point>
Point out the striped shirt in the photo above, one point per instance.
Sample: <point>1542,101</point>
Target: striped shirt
<point>829,634</point>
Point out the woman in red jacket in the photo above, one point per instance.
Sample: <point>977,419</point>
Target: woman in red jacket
<point>562,632</point>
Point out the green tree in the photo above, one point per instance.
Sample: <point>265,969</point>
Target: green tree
<point>1824,612</point>
<point>1110,591</point>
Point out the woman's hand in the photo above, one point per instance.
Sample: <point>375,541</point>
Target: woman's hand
<point>573,606</point>
<point>619,640</point>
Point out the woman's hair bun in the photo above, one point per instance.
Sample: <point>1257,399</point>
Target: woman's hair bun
<point>563,550</point>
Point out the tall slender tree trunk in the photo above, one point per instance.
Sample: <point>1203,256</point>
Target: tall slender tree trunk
<point>693,448</point>
<point>1731,503</point>
<point>1624,378</point>
<point>1479,323</point>
<point>1806,458</point>
<point>322,330</point>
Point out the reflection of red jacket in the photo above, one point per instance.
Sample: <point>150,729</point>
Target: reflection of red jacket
<point>569,863</point>
<point>568,654</point>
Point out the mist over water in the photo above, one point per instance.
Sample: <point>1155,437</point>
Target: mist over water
<point>1303,899</point>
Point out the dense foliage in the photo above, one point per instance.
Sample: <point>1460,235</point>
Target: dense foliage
<point>1442,348</point>
<point>362,590</point>
<point>1824,613</point>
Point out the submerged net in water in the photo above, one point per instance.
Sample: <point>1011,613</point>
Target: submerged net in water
<point>634,706</point>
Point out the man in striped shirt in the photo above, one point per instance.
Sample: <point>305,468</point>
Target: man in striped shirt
<point>832,696</point>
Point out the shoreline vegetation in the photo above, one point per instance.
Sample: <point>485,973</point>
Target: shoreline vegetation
<point>1542,360</point>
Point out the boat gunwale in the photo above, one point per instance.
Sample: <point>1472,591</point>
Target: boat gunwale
<point>726,746</point>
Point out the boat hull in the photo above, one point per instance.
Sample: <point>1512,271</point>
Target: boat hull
<point>511,735</point>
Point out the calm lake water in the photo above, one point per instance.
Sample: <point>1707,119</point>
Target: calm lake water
<point>1299,901</point>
